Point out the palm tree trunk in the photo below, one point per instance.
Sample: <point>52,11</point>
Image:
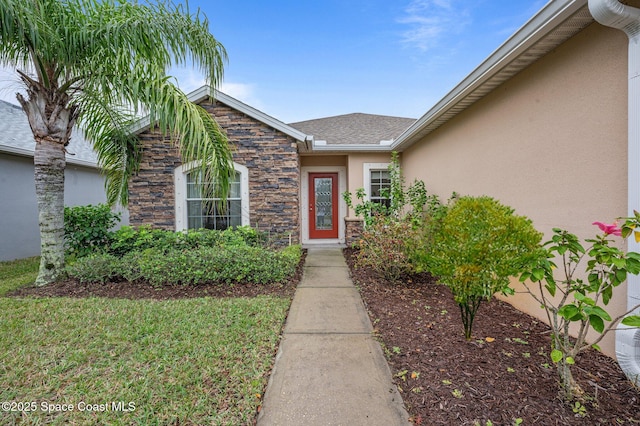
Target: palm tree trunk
<point>49,161</point>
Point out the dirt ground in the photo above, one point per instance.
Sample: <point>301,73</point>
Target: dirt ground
<point>503,374</point>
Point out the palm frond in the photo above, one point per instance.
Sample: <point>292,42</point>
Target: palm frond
<point>117,148</point>
<point>108,59</point>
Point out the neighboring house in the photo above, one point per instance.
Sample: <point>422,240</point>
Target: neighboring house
<point>543,125</point>
<point>19,232</point>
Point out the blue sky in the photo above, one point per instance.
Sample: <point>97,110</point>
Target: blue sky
<point>302,59</point>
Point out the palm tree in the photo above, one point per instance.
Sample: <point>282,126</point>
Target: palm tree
<point>100,64</point>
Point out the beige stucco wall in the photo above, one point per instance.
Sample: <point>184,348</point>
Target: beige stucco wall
<point>551,142</point>
<point>323,160</point>
<point>355,170</point>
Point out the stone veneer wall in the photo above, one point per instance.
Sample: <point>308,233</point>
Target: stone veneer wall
<point>151,190</point>
<point>270,156</point>
<point>353,230</point>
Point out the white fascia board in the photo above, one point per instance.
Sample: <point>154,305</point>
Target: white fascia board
<point>205,91</point>
<point>29,153</point>
<point>351,148</point>
<point>547,19</point>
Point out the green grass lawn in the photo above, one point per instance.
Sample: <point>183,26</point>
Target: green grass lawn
<point>190,361</point>
<point>18,273</point>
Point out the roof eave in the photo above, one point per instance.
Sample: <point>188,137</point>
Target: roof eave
<point>206,92</point>
<point>499,66</point>
<point>21,152</point>
<point>346,148</point>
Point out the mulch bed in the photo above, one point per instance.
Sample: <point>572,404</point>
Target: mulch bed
<point>506,377</point>
<point>143,290</point>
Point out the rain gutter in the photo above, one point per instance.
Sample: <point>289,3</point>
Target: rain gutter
<point>614,14</point>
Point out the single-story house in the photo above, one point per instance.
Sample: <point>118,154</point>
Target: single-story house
<point>289,177</point>
<point>547,124</point>
<point>19,232</point>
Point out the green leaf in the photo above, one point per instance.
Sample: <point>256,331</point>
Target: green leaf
<point>607,294</point>
<point>597,310</point>
<point>551,287</point>
<point>556,355</point>
<point>569,311</point>
<point>594,279</point>
<point>537,274</point>
<point>620,263</point>
<point>597,323</point>
<point>584,299</point>
<point>621,275</point>
<point>596,347</point>
<point>632,321</point>
<point>633,263</point>
<point>570,360</point>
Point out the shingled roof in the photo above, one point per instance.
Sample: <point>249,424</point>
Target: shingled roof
<point>355,129</point>
<point>16,137</point>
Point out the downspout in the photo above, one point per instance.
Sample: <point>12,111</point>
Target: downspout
<point>613,14</point>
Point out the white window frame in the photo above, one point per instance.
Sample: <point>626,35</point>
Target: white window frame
<point>367,169</point>
<point>180,185</point>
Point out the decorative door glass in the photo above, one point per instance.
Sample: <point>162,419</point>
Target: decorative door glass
<point>323,205</point>
<point>323,210</point>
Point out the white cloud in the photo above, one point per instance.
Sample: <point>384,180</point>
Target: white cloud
<point>430,21</point>
<point>243,92</point>
<point>189,79</point>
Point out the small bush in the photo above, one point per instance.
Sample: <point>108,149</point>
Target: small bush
<point>476,247</point>
<point>389,248</point>
<point>87,228</point>
<point>95,268</point>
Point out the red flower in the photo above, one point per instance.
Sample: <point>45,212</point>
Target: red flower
<point>609,229</point>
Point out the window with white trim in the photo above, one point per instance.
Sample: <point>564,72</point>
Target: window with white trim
<point>210,213</point>
<point>380,184</point>
<point>194,212</point>
<point>377,180</point>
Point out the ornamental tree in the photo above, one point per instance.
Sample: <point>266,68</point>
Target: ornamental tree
<point>577,301</point>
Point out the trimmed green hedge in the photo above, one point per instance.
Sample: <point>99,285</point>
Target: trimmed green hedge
<point>128,239</point>
<point>222,264</point>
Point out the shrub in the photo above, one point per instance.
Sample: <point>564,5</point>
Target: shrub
<point>87,228</point>
<point>188,258</point>
<point>128,239</point>
<point>389,248</point>
<point>95,268</point>
<point>476,247</point>
<point>394,236</point>
<point>232,264</point>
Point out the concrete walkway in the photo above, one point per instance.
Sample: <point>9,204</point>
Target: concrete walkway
<point>329,370</point>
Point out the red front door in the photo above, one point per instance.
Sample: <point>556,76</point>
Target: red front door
<point>323,205</point>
